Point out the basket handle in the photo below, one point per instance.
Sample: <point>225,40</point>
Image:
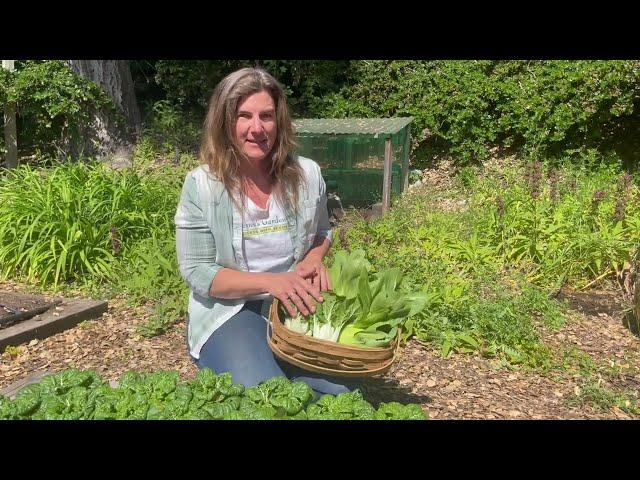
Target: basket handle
<point>398,338</point>
<point>268,328</point>
<point>272,315</point>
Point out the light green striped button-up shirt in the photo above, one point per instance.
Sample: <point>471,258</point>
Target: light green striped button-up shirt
<point>204,232</point>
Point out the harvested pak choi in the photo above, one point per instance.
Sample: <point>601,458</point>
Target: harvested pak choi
<point>363,310</point>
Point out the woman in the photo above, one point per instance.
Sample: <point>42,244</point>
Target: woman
<point>251,225</point>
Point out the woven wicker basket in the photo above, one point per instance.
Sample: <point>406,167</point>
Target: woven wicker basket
<point>322,356</point>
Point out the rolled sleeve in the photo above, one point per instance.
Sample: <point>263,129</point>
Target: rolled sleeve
<point>195,244</point>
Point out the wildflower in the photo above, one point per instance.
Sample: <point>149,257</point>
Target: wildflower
<point>553,186</point>
<point>533,176</point>
<point>598,196</point>
<point>622,197</point>
<point>500,205</point>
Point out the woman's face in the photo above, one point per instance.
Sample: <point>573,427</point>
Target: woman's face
<point>256,126</point>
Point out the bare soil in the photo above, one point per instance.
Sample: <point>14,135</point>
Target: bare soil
<point>12,303</point>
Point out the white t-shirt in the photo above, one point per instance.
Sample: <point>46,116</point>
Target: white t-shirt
<point>261,239</point>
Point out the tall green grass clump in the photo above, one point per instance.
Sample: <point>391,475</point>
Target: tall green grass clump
<point>75,219</point>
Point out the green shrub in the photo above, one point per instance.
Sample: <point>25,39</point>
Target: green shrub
<point>54,106</point>
<point>463,108</point>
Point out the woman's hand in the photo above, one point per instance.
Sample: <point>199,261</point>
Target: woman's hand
<point>294,292</point>
<point>313,270</point>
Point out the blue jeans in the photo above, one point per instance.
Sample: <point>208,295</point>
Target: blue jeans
<point>240,347</point>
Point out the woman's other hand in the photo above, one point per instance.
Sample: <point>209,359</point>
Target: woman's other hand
<point>313,271</point>
<point>294,292</point>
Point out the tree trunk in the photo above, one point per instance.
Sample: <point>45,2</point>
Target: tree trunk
<point>629,280</point>
<point>105,136</point>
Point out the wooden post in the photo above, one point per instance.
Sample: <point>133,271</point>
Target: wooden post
<point>405,160</point>
<point>386,177</point>
<point>10,135</point>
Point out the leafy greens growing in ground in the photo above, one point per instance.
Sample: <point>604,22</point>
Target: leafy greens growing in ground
<point>78,395</point>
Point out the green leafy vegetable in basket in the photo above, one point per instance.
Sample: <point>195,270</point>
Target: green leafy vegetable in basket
<point>363,310</point>
<point>298,323</point>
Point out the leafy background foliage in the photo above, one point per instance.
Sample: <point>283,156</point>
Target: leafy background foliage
<point>462,109</point>
<point>54,106</point>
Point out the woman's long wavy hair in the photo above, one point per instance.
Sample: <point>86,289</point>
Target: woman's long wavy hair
<point>221,153</point>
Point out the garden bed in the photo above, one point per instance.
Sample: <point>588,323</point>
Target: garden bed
<point>35,317</point>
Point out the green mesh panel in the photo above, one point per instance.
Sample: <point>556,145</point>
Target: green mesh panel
<point>350,153</point>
